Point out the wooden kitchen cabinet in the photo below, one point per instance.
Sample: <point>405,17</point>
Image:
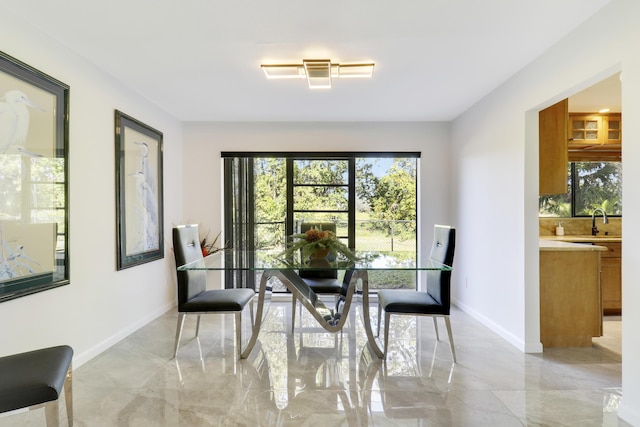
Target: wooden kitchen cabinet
<point>590,129</point>
<point>595,137</point>
<point>553,152</point>
<point>570,294</point>
<point>611,278</point>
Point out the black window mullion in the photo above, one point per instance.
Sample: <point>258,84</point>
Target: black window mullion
<point>238,217</point>
<point>230,193</point>
<point>573,190</point>
<point>289,220</point>
<point>250,207</point>
<point>321,185</point>
<point>320,210</point>
<point>351,225</point>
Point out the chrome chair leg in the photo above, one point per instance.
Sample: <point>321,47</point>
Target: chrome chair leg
<point>238,325</point>
<point>181,317</point>
<point>453,349</point>
<point>435,325</point>
<point>387,323</point>
<point>379,315</point>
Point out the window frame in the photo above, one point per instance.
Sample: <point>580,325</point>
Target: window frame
<point>573,183</point>
<point>241,237</point>
<point>572,180</point>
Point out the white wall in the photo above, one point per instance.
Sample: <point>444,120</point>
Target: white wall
<point>203,143</point>
<point>101,305</point>
<point>495,185</point>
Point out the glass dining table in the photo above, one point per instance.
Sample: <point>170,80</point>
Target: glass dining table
<point>269,265</point>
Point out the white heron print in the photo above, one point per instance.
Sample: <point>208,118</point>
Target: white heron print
<point>14,122</point>
<point>14,261</point>
<point>14,129</point>
<point>145,211</point>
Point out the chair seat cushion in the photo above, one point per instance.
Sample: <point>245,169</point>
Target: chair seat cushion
<point>219,300</point>
<point>409,302</point>
<point>33,377</point>
<point>323,286</point>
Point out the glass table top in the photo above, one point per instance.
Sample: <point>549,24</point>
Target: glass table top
<point>229,259</point>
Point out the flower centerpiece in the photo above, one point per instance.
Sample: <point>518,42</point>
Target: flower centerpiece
<point>209,246</point>
<point>318,243</point>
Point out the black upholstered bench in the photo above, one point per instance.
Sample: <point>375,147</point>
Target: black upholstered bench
<point>35,379</point>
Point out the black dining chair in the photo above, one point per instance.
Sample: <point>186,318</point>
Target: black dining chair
<point>436,301</point>
<point>320,281</point>
<point>193,296</point>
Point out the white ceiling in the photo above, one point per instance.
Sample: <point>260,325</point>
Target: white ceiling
<point>604,94</point>
<point>200,60</point>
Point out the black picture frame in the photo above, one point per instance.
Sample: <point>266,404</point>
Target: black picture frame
<point>139,192</point>
<point>34,184</point>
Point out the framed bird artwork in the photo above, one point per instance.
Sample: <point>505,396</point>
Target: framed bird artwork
<point>139,200</point>
<point>34,141</point>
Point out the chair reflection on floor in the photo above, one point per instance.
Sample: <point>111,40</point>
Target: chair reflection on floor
<point>249,380</point>
<point>403,393</point>
<point>316,377</point>
<point>418,404</point>
<point>258,396</point>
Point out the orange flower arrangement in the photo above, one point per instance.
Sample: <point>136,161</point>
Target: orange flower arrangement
<point>318,241</point>
<point>210,247</point>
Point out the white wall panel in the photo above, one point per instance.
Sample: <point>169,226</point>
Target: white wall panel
<point>495,184</point>
<point>101,305</point>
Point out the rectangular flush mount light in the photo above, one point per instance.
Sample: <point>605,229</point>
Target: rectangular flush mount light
<point>318,72</point>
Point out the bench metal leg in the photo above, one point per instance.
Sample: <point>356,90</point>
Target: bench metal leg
<point>68,395</point>
<point>51,413</point>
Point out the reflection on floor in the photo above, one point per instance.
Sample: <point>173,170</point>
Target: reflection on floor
<point>611,338</point>
<point>313,378</point>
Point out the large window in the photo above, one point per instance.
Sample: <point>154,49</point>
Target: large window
<point>322,190</point>
<point>371,197</point>
<point>591,185</point>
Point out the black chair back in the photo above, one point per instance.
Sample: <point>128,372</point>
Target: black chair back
<point>318,274</point>
<point>186,248</point>
<point>442,250</point>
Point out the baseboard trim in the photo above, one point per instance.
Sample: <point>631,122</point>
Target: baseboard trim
<point>85,356</point>
<point>534,347</point>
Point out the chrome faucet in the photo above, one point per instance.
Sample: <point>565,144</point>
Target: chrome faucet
<point>605,220</point>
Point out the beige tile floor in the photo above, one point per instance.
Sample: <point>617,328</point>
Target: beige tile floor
<point>611,338</point>
<point>312,378</point>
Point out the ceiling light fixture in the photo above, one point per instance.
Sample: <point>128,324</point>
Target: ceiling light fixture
<point>318,72</point>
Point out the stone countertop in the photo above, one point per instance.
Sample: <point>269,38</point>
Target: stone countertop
<point>584,238</point>
<point>555,245</point>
